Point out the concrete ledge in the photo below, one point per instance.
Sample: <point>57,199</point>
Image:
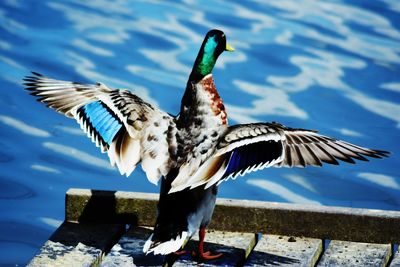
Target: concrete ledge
<point>360,225</point>
<point>83,205</point>
<point>324,222</point>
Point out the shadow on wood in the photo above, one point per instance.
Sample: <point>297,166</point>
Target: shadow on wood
<point>268,259</point>
<point>76,244</point>
<point>110,207</point>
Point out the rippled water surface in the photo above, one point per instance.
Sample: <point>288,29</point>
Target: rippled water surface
<point>327,65</point>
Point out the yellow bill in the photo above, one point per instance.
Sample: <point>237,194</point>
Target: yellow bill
<point>229,48</point>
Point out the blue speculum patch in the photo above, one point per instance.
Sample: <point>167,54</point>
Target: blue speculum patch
<point>252,155</point>
<point>102,120</point>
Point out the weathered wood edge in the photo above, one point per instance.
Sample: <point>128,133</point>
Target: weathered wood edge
<point>78,244</point>
<point>352,224</point>
<point>277,250</point>
<point>344,253</point>
<point>396,258</point>
<point>129,250</point>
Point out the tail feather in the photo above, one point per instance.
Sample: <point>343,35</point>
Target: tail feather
<point>167,247</point>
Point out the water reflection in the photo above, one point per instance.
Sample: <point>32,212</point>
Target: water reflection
<point>327,65</point>
<point>23,127</point>
<point>78,155</point>
<point>18,241</point>
<point>42,168</point>
<point>10,189</point>
<point>380,179</point>
<point>282,191</point>
<point>5,157</point>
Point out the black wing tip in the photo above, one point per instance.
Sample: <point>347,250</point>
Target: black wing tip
<point>360,157</point>
<point>331,160</point>
<point>30,82</point>
<point>382,153</point>
<point>37,74</point>
<point>31,88</point>
<point>32,78</point>
<point>378,154</point>
<point>349,160</point>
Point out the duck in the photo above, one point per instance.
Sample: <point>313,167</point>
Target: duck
<point>191,153</point>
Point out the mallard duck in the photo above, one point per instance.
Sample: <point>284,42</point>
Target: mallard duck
<point>191,153</point>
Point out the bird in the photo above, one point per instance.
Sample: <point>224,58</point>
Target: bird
<point>191,153</point>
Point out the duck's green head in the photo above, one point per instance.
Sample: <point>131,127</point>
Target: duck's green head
<point>213,45</point>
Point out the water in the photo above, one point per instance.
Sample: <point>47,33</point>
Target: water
<point>327,65</point>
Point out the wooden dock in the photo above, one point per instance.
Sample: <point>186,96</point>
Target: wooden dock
<point>108,228</point>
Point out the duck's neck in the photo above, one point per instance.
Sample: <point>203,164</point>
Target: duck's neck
<point>204,62</point>
<point>202,104</point>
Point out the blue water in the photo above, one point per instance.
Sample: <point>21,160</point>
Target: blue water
<point>327,65</point>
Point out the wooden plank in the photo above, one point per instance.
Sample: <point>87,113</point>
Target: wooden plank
<point>361,225</point>
<point>128,252</point>
<point>343,253</point>
<point>76,244</point>
<point>234,246</point>
<point>396,259</point>
<point>275,250</point>
<point>58,254</point>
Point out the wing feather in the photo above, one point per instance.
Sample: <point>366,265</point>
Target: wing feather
<point>316,161</point>
<point>301,160</point>
<point>117,121</point>
<point>324,155</point>
<point>288,157</point>
<point>256,146</point>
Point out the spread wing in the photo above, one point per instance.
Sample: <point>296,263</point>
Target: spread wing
<point>251,147</point>
<point>256,146</point>
<point>125,127</point>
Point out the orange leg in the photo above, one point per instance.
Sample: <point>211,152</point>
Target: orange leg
<point>180,252</point>
<point>201,255</point>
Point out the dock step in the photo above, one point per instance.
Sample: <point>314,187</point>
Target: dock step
<point>73,244</point>
<point>343,253</point>
<point>396,259</point>
<point>276,250</point>
<point>239,249</point>
<point>129,250</point>
<point>234,246</point>
<point>248,233</point>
